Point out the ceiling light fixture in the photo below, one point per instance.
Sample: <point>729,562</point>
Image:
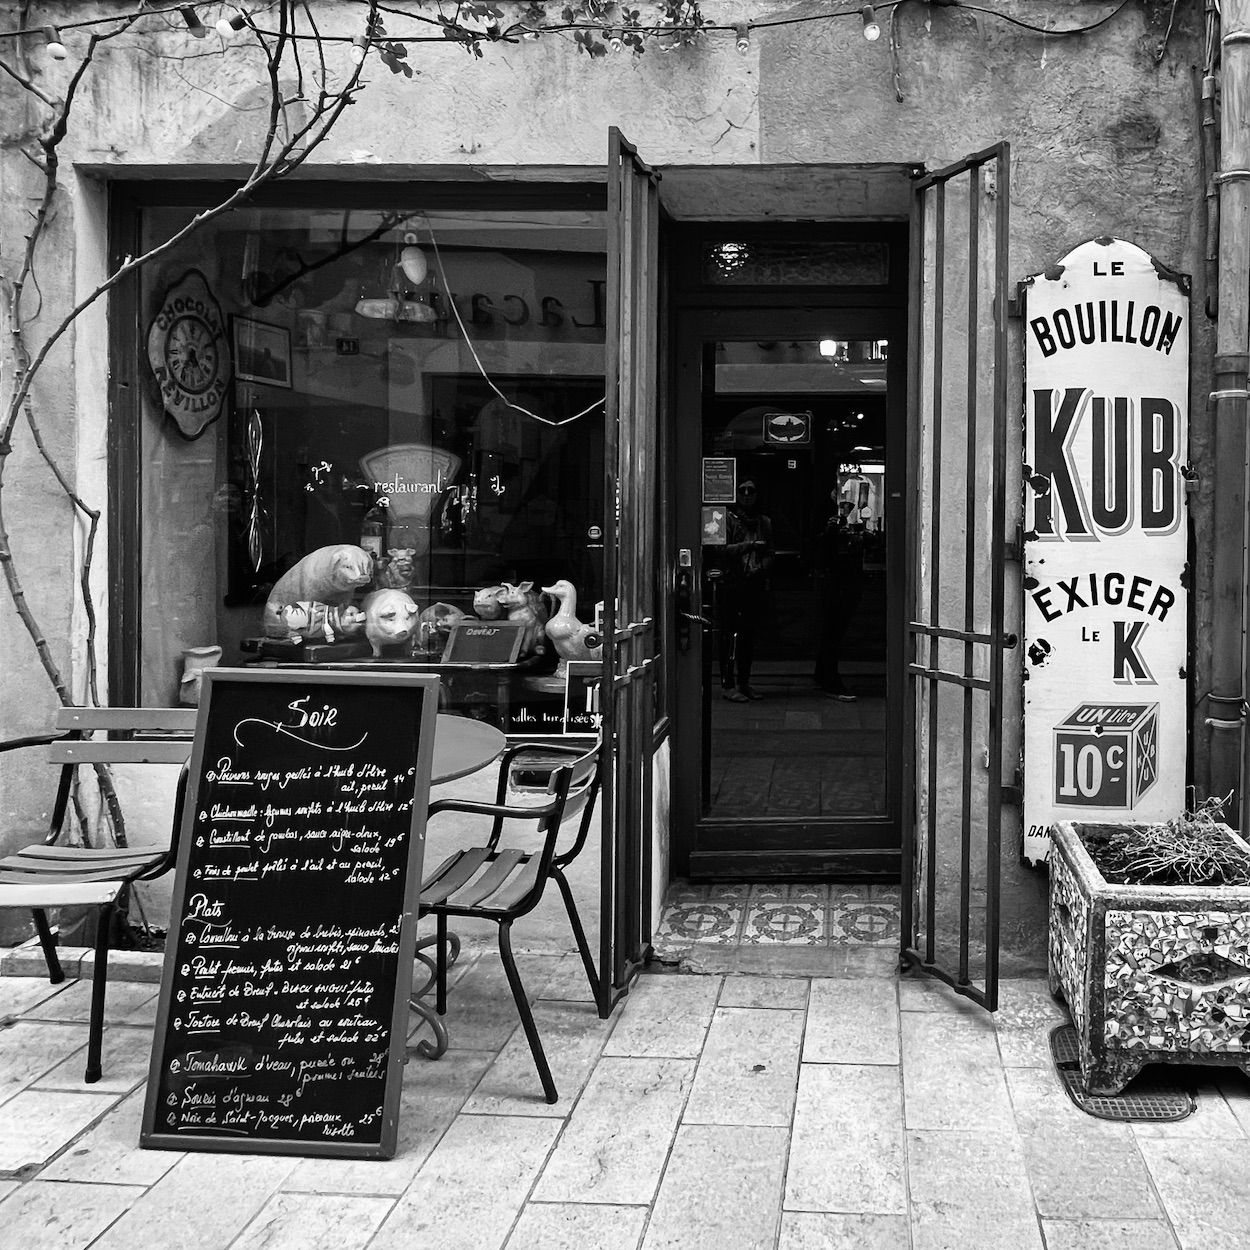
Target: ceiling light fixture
<point>412,261</point>
<point>872,32</point>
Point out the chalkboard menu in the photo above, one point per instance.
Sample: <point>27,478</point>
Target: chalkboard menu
<point>284,999</point>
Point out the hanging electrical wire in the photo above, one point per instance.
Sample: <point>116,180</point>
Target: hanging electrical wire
<point>477,360</point>
<point>444,27</point>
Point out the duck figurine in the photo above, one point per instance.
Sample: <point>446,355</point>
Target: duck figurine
<point>571,639</point>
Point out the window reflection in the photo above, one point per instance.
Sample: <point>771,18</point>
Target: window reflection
<point>427,388</point>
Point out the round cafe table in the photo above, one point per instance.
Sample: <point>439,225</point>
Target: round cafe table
<point>462,746</point>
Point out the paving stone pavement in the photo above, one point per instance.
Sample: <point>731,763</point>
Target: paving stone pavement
<point>722,1111</point>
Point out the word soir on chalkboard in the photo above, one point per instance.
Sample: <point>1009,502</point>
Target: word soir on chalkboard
<point>283,1006</point>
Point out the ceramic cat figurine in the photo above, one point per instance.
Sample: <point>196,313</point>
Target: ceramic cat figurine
<point>328,575</point>
<point>321,622</point>
<point>523,603</point>
<point>390,619</point>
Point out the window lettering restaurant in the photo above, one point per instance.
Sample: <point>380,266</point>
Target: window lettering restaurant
<point>483,389</point>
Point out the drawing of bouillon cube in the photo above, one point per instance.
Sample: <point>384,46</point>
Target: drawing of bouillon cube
<point>1106,754</point>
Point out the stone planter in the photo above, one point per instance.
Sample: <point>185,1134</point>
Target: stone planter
<point>1151,973</point>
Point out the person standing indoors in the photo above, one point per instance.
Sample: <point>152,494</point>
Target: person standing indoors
<point>841,584</point>
<point>748,555</point>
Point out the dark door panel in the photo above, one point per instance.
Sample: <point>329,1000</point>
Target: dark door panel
<point>793,767</point>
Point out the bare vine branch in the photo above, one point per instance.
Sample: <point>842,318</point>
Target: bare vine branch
<point>276,158</point>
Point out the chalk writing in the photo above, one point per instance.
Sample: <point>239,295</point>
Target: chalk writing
<point>285,957</point>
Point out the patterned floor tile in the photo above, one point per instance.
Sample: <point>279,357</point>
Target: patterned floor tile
<point>872,923</point>
<point>707,921</point>
<point>790,892</point>
<point>791,923</point>
<point>850,892</point>
<point>682,891</point>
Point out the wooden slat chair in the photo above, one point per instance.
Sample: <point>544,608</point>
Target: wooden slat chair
<point>502,884</point>
<point>49,874</point>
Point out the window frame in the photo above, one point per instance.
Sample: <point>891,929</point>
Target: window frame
<point>127,202</point>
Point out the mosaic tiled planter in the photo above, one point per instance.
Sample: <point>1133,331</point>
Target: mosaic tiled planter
<point>1151,974</point>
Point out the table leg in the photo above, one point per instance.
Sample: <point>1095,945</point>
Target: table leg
<point>437,1048</point>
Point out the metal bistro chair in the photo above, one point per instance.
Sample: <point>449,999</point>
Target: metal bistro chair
<point>50,874</point>
<point>502,884</point>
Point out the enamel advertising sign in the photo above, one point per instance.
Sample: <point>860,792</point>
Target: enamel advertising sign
<point>1105,580</point>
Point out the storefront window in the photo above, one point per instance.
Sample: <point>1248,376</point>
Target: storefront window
<point>348,413</point>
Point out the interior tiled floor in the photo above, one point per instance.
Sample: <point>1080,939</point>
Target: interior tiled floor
<point>779,913</point>
<point>794,752</point>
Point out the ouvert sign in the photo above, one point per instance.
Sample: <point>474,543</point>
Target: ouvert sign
<point>1105,588</point>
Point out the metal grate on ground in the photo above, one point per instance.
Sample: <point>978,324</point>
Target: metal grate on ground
<point>1147,1099</point>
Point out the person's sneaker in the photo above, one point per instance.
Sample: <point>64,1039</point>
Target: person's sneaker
<point>751,692</point>
<point>734,696</point>
<point>839,692</point>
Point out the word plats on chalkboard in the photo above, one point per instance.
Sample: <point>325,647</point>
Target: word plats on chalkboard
<point>283,1004</point>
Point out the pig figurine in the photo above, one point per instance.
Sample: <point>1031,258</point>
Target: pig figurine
<point>523,603</point>
<point>327,575</point>
<point>486,605</point>
<point>436,622</point>
<point>317,622</point>
<point>390,619</point>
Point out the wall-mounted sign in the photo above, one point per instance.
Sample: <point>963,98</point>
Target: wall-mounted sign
<point>583,682</point>
<point>715,524</point>
<point>792,429</point>
<point>190,354</point>
<point>1105,600</point>
<point>720,479</point>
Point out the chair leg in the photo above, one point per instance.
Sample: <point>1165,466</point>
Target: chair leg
<point>99,981</point>
<point>440,995</point>
<point>56,974</point>
<point>575,922</point>
<point>523,1010</point>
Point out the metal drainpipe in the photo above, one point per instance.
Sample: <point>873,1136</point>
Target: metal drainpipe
<point>1226,705</point>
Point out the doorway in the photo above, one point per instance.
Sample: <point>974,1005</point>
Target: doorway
<point>790,522</point>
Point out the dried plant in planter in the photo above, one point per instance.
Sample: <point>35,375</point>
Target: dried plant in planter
<point>1194,848</point>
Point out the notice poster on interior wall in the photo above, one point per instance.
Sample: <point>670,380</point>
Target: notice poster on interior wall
<point>1105,579</point>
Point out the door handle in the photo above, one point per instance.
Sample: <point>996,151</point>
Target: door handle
<point>683,595</point>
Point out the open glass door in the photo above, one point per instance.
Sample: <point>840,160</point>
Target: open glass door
<point>950,910</point>
<point>630,567</point>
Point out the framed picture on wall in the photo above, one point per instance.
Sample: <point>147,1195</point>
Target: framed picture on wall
<point>262,352</point>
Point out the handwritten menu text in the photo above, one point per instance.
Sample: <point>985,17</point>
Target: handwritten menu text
<point>278,1010</point>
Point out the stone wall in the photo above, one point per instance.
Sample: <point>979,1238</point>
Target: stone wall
<point>1104,141</point>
